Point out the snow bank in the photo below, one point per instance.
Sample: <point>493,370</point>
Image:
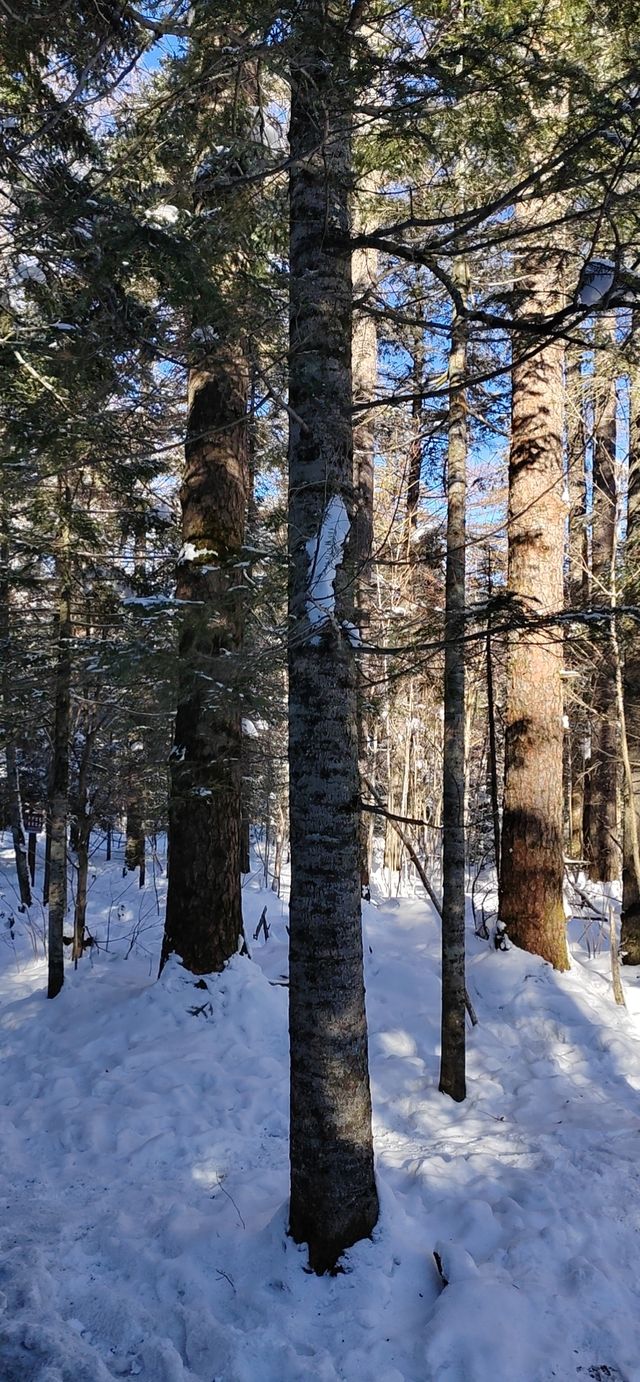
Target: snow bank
<point>144,1163</point>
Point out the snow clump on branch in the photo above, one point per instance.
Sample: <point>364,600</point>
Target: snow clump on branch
<point>326,554</point>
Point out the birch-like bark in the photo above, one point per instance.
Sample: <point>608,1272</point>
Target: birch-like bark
<point>333,1194</point>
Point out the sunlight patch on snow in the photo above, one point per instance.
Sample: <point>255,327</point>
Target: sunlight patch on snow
<point>145,1158</point>
<point>397,1043</point>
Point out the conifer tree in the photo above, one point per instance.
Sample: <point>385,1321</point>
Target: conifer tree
<point>204,916</point>
<point>601,813</point>
<point>630,930</point>
<point>333,1195</point>
<point>532,868</point>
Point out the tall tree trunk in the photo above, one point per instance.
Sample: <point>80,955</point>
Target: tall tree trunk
<point>204,910</point>
<point>279,851</point>
<point>46,878</point>
<point>630,936</point>
<point>578,587</point>
<point>83,838</point>
<point>365,379</point>
<point>14,800</point>
<point>601,847</point>
<point>135,836</point>
<point>531,870</point>
<point>80,910</point>
<point>59,800</point>
<point>204,913</point>
<point>491,718</point>
<point>333,1194</point>
<point>415,444</point>
<point>452,1061</point>
<point>15,817</point>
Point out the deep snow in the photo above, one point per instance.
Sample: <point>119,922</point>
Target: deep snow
<point>143,1164</point>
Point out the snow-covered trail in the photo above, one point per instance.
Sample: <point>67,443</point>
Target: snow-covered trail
<point>143,1166</point>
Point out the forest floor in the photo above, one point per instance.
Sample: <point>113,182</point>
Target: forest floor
<point>143,1165</point>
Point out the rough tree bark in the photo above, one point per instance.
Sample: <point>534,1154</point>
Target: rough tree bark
<point>531,869</point>
<point>59,786</point>
<point>204,913</point>
<point>492,764</point>
<point>416,443</point>
<point>14,799</point>
<point>84,824</point>
<point>400,757</point>
<point>333,1194</point>
<point>365,379</point>
<point>577,585</point>
<point>15,816</point>
<point>630,935</point>
<point>452,1061</point>
<point>601,817</point>
<point>134,850</point>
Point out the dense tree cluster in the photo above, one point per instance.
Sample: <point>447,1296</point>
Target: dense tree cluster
<point>320,412</point>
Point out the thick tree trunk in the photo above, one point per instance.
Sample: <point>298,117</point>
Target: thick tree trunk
<point>630,936</point>
<point>333,1194</point>
<point>452,1061</point>
<point>135,838</point>
<point>577,589</point>
<point>204,911</point>
<point>531,870</point>
<point>59,800</point>
<point>601,847</point>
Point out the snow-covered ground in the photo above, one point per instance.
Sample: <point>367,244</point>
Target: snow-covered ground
<point>143,1166</point>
